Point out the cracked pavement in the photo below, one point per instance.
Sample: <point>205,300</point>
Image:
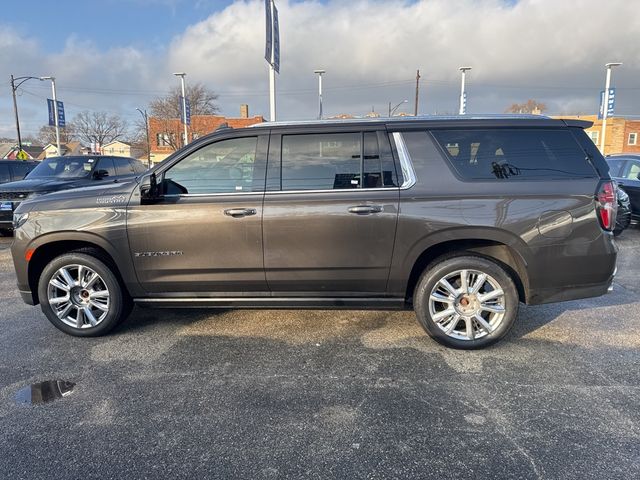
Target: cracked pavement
<point>326,394</point>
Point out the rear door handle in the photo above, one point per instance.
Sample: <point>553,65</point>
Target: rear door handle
<point>365,209</point>
<point>240,212</point>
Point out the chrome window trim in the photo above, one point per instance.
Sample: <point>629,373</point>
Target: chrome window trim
<point>408,173</point>
<point>187,195</point>
<point>337,190</point>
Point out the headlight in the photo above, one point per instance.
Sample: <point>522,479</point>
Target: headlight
<point>19,219</point>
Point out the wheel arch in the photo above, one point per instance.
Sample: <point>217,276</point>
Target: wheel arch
<point>47,248</point>
<point>499,248</point>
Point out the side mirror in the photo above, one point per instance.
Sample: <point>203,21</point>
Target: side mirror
<point>149,189</point>
<point>100,174</point>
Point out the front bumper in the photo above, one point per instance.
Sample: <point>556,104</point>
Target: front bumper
<point>27,297</point>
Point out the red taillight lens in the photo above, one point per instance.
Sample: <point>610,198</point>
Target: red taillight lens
<point>607,205</point>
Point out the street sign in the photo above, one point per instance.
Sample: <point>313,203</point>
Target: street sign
<point>610,104</point>
<point>185,118</point>
<point>276,40</point>
<point>268,48</point>
<point>60,112</point>
<point>22,155</point>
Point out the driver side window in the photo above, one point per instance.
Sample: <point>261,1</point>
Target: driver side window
<point>226,166</point>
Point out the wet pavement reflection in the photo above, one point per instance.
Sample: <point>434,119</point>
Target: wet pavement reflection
<point>43,392</point>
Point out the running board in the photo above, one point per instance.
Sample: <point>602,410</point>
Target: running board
<point>277,303</point>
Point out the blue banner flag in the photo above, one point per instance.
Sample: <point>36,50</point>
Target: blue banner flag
<point>276,40</point>
<point>268,49</point>
<point>52,112</point>
<point>185,117</point>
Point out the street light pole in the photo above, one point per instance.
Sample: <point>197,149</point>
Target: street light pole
<point>184,106</point>
<point>14,88</point>
<point>463,106</point>
<point>319,73</point>
<point>15,112</point>
<point>146,126</point>
<point>55,111</point>
<point>605,104</point>
<point>393,110</point>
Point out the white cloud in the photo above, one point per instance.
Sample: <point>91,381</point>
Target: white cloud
<point>544,49</point>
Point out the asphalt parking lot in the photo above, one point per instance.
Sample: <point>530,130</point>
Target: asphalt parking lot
<point>317,394</point>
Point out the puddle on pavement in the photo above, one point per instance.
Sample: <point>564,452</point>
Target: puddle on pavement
<point>44,392</point>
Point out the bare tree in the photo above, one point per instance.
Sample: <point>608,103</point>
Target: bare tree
<point>47,135</point>
<point>98,127</point>
<point>530,106</point>
<point>166,112</point>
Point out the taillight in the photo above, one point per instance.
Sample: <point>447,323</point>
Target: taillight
<point>607,205</point>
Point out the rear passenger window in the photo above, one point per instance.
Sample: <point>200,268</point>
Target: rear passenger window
<point>514,154</point>
<point>123,166</point>
<point>336,161</point>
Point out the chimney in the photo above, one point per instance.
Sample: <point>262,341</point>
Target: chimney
<point>244,111</point>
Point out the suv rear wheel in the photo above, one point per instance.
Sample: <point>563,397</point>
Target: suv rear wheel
<point>81,296</point>
<point>466,302</point>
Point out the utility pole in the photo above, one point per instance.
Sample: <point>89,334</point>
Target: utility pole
<point>184,106</point>
<point>319,73</point>
<point>463,99</point>
<point>15,112</point>
<point>55,111</point>
<point>146,126</point>
<point>415,110</point>
<point>605,103</point>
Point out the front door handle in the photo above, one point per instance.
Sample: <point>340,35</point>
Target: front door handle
<point>240,212</point>
<point>365,209</point>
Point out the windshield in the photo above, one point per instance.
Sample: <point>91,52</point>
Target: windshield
<point>60,167</point>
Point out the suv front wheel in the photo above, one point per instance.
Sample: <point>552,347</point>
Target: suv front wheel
<point>81,296</point>
<point>466,302</point>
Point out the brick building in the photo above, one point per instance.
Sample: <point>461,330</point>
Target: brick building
<point>167,135</point>
<point>622,133</point>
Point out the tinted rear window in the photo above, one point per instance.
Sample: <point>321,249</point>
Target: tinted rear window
<point>514,154</point>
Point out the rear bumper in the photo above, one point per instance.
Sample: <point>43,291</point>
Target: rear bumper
<point>570,293</point>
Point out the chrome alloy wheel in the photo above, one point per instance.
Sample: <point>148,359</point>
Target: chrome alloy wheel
<point>78,296</point>
<point>467,304</point>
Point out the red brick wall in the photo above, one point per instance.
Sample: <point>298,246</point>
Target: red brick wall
<point>200,125</point>
<point>631,126</point>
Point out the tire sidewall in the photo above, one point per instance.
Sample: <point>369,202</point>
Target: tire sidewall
<point>440,269</point>
<point>116,300</point>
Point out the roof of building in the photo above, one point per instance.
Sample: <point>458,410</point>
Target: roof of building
<point>116,141</point>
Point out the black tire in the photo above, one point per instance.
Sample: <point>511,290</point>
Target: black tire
<point>623,220</point>
<point>119,302</point>
<point>444,267</point>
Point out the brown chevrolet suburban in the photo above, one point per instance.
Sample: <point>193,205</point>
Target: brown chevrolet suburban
<point>460,218</point>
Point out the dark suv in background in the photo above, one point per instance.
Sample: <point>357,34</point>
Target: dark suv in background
<point>62,173</point>
<point>459,218</point>
<point>11,171</point>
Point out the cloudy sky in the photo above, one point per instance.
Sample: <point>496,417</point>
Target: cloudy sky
<point>116,55</point>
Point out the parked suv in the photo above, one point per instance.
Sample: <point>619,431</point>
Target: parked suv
<point>10,171</point>
<point>63,173</point>
<point>459,218</point>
